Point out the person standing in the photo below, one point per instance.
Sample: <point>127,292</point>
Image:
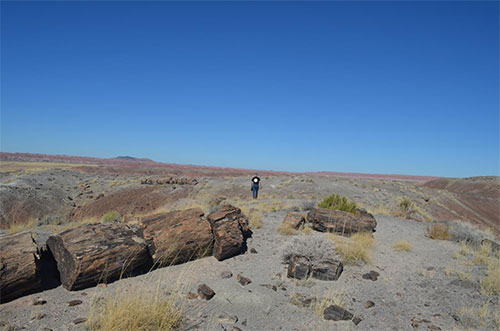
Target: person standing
<point>255,186</point>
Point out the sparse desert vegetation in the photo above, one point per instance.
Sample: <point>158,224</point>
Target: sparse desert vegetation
<point>337,202</point>
<point>402,245</point>
<point>356,249</point>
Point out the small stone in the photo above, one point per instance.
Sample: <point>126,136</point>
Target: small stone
<point>415,322</point>
<point>437,315</point>
<point>372,275</point>
<point>228,319</point>
<point>427,304</point>
<point>102,285</point>
<point>431,268</point>
<point>235,328</point>
<point>38,316</point>
<point>244,323</point>
<point>84,294</point>
<point>226,274</point>
<point>205,292</point>
<point>192,295</point>
<point>336,313</point>
<point>277,276</point>
<point>39,302</point>
<point>253,250</point>
<point>399,294</point>
<point>79,320</point>
<point>243,280</point>
<point>270,286</point>
<point>356,320</point>
<point>425,320</point>
<point>74,303</point>
<point>369,304</point>
<point>433,327</point>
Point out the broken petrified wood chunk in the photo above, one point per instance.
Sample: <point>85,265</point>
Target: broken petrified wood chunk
<point>299,267</point>
<point>337,313</point>
<point>205,292</point>
<point>327,270</point>
<point>243,280</point>
<point>341,222</point>
<point>93,253</point>
<point>178,236</point>
<point>230,229</point>
<point>18,266</point>
<point>294,220</point>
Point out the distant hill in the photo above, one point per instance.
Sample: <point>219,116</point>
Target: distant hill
<point>131,158</point>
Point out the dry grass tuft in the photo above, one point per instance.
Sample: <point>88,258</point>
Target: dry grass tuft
<point>286,230</point>
<point>402,245</point>
<point>438,231</point>
<point>255,219</point>
<point>490,284</point>
<point>18,227</point>
<point>332,297</point>
<point>355,249</point>
<point>135,312</point>
<point>467,317</point>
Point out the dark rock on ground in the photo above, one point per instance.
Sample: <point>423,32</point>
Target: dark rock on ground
<point>270,286</point>
<point>467,284</point>
<point>372,275</point>
<point>369,304</point>
<point>205,292</point>
<point>356,320</point>
<point>337,313</point>
<point>243,280</point>
<point>253,250</point>
<point>226,274</point>
<point>192,295</point>
<point>74,303</point>
<point>80,320</point>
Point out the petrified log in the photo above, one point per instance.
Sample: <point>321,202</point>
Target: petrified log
<point>327,270</point>
<point>178,236</point>
<point>19,274</point>
<point>337,313</point>
<point>294,220</point>
<point>344,223</point>
<point>230,229</point>
<point>98,253</point>
<point>299,267</point>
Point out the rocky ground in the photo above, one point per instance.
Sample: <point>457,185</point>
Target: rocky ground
<point>435,285</point>
<point>412,287</point>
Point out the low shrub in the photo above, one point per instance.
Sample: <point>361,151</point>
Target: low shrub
<point>406,208</point>
<point>313,248</point>
<point>337,202</point>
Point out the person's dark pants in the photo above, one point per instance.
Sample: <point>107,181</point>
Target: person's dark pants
<point>255,191</point>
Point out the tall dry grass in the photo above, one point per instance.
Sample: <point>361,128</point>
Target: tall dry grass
<point>356,249</point>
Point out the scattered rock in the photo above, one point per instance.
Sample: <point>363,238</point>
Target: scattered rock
<point>433,327</point>
<point>243,280</point>
<point>415,322</point>
<point>372,275</point>
<point>356,320</point>
<point>253,250</point>
<point>226,274</point>
<point>235,328</point>
<point>39,302</point>
<point>369,304</point>
<point>205,292</point>
<point>74,303</point>
<point>270,286</point>
<point>294,220</point>
<point>79,320</point>
<point>299,268</point>
<point>244,323</point>
<point>227,319</point>
<point>192,295</point>
<point>336,313</point>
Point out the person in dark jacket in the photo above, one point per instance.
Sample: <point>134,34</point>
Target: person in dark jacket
<point>255,186</point>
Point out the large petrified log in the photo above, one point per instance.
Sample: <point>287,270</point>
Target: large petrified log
<point>94,253</point>
<point>230,229</point>
<point>19,274</point>
<point>293,220</point>
<point>327,220</point>
<point>178,236</point>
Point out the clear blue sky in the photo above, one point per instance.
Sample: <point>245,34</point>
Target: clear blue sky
<point>376,87</point>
